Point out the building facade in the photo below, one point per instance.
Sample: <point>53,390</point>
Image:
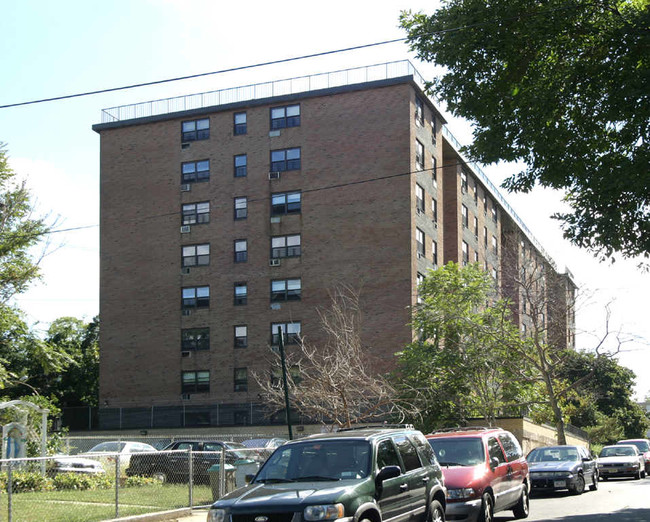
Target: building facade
<point>223,221</point>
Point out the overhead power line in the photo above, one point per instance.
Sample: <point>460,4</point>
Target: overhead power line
<point>281,60</point>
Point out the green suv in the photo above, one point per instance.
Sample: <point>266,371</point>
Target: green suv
<point>367,474</point>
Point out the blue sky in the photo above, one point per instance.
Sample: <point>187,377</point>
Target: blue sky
<point>55,48</point>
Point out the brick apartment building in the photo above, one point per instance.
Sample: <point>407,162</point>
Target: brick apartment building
<point>226,214</point>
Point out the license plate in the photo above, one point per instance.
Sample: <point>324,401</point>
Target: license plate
<point>612,470</point>
<point>559,483</point>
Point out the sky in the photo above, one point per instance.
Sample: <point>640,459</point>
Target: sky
<point>52,49</point>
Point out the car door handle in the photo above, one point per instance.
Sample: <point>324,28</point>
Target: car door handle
<point>403,487</point>
<point>425,480</point>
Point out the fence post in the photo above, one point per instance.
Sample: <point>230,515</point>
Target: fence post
<point>9,488</point>
<point>222,472</point>
<point>190,467</point>
<point>117,485</point>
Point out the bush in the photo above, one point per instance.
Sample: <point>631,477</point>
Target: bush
<point>79,481</point>
<point>137,481</point>
<point>24,481</point>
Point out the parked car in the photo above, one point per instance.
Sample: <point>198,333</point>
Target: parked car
<point>621,460</point>
<point>485,472</point>
<point>172,462</point>
<point>643,446</point>
<point>263,447</point>
<point>124,448</point>
<point>362,474</point>
<point>74,464</point>
<point>562,467</point>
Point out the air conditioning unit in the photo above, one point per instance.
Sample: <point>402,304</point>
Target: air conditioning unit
<point>419,210</point>
<point>274,175</point>
<point>435,224</point>
<point>186,354</point>
<point>185,270</point>
<point>274,133</point>
<point>420,255</point>
<point>187,312</point>
<point>275,219</point>
<point>186,187</point>
<point>186,396</point>
<point>185,229</point>
<point>274,262</point>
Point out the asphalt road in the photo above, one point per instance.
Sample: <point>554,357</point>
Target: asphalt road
<point>616,500</point>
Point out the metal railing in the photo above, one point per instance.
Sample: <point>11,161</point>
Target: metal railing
<point>285,87</point>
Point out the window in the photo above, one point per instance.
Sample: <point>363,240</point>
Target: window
<point>476,256</point>
<point>475,227</point>
<point>434,172</point>
<point>419,111</point>
<point>494,245</point>
<point>419,279</point>
<point>465,248</point>
<point>485,204</point>
<point>291,332</point>
<point>288,116</point>
<point>241,251</point>
<point>494,211</point>
<point>196,213</point>
<point>494,450</point>
<point>494,274</point>
<point>419,198</point>
<point>286,290</point>
<point>285,203</point>
<point>241,293</point>
<point>419,155</point>
<point>434,209</point>
<point>241,336</point>
<point>434,249</point>
<point>387,454</point>
<point>195,382</point>
<point>195,130</point>
<point>285,246</point>
<point>434,130</point>
<point>485,237</point>
<point>195,171</point>
<point>285,159</point>
<point>196,255</point>
<point>239,122</point>
<point>241,207</point>
<point>463,181</point>
<point>465,216</point>
<point>419,242</point>
<point>408,452</point>
<point>241,379</point>
<point>196,297</point>
<point>195,339</point>
<point>475,192</point>
<point>293,372</point>
<point>241,162</point>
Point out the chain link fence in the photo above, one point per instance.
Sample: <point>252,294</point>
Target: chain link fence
<point>95,486</point>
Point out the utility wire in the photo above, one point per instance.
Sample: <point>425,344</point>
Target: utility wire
<point>283,60</point>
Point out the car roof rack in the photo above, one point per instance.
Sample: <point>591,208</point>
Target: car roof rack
<point>378,426</point>
<point>466,428</point>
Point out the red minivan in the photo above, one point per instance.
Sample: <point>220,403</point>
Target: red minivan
<point>485,472</point>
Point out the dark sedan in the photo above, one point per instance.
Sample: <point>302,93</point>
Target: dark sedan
<point>562,467</point>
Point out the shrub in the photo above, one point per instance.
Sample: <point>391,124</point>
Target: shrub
<point>137,481</point>
<point>24,481</point>
<point>79,481</point>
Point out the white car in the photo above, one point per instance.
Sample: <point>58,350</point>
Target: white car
<point>106,452</point>
<point>621,460</point>
<point>74,464</point>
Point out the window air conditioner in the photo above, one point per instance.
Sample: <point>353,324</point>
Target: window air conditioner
<point>185,229</point>
<point>186,396</point>
<point>186,354</point>
<point>274,175</point>
<point>419,210</point>
<point>185,270</point>
<point>274,262</point>
<point>275,219</point>
<point>420,255</point>
<point>186,187</point>
<point>187,312</point>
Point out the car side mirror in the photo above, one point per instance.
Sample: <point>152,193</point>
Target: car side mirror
<point>494,463</point>
<point>385,473</point>
<point>249,478</point>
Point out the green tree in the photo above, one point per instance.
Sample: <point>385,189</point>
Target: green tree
<point>458,366</point>
<point>562,86</point>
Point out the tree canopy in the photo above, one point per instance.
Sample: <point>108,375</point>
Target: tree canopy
<point>562,86</point>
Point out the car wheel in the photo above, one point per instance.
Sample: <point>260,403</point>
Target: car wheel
<point>436,513</point>
<point>487,509</point>
<point>579,487</point>
<point>594,482</point>
<point>642,472</point>
<point>522,507</point>
<point>160,476</point>
<point>637,475</point>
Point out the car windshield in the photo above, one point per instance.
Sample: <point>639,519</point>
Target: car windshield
<point>109,446</point>
<point>317,461</point>
<point>641,444</point>
<point>234,446</point>
<point>256,443</point>
<point>460,451</point>
<point>553,455</point>
<point>617,451</point>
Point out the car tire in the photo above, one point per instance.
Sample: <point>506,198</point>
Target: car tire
<point>603,478</point>
<point>594,482</point>
<point>642,473</point>
<point>436,512</point>
<point>160,476</point>
<point>487,509</point>
<point>637,475</point>
<point>579,487</point>
<point>522,507</point>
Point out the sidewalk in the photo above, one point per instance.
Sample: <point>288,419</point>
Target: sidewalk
<point>199,515</point>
